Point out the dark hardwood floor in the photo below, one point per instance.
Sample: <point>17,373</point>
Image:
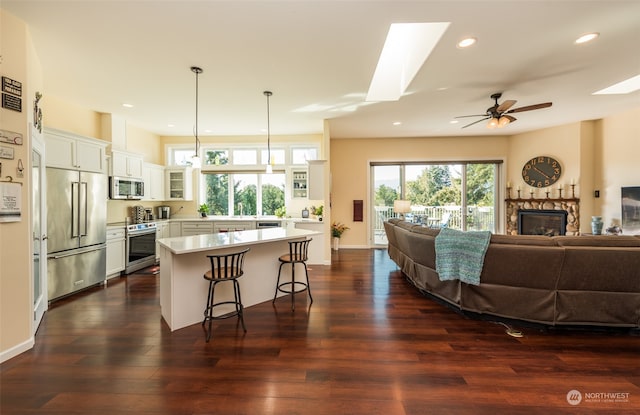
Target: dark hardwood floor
<point>369,344</point>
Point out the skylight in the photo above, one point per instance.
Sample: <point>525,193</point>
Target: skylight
<point>407,47</point>
<point>624,87</point>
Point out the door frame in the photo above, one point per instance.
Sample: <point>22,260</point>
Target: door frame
<point>41,302</point>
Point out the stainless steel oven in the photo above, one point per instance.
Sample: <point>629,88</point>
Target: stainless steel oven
<point>141,246</point>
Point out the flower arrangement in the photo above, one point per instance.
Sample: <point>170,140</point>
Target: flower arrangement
<point>337,229</point>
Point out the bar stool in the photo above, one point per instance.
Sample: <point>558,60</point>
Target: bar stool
<point>297,255</point>
<point>224,268</point>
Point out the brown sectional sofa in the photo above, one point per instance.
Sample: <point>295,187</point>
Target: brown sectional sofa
<point>562,280</point>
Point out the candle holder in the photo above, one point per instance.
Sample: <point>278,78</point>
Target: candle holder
<point>518,193</point>
<point>508,192</point>
<point>560,190</point>
<point>573,190</point>
<point>531,194</point>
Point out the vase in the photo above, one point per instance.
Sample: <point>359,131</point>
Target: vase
<point>336,243</point>
<point>596,225</point>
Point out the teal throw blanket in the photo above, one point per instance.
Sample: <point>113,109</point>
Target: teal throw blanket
<point>460,255</point>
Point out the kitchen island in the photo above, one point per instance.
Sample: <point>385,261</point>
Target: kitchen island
<point>183,290</point>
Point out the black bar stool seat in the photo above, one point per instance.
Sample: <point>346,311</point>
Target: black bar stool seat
<point>224,268</point>
<point>297,255</point>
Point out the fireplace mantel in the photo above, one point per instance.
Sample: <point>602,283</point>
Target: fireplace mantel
<point>570,205</point>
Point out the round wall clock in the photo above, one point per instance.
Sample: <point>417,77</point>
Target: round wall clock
<point>541,171</point>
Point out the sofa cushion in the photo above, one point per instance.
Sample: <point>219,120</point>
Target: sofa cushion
<point>424,230</point>
<point>615,241</point>
<point>536,240</point>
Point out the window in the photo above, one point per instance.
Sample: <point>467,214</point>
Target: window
<point>182,157</point>
<point>301,155</point>
<point>216,157</point>
<point>458,195</point>
<point>245,157</point>
<point>232,180</point>
<point>237,193</point>
<point>277,156</point>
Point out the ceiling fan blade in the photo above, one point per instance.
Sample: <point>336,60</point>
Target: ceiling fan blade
<point>530,107</point>
<point>465,116</point>
<point>506,105</point>
<point>475,122</point>
<point>511,119</point>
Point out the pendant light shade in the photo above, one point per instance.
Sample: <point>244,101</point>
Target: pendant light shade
<point>196,163</point>
<point>269,160</point>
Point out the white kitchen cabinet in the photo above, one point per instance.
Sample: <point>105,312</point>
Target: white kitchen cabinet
<point>175,229</point>
<point>230,226</point>
<point>299,183</point>
<point>317,245</point>
<point>316,179</point>
<point>196,228</point>
<point>124,164</point>
<point>163,230</point>
<point>69,151</point>
<point>153,177</point>
<point>116,245</point>
<point>179,183</point>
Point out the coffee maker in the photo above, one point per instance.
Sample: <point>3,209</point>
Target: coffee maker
<point>164,212</point>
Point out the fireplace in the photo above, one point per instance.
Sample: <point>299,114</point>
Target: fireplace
<point>542,222</point>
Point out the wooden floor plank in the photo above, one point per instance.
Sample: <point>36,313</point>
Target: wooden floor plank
<point>369,344</point>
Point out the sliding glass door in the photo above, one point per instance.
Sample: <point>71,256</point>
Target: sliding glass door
<point>459,195</point>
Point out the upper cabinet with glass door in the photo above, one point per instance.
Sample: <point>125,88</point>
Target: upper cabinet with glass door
<point>179,183</point>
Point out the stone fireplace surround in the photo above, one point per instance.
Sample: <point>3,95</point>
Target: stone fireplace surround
<point>571,206</point>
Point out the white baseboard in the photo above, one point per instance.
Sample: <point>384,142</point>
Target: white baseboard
<point>16,350</point>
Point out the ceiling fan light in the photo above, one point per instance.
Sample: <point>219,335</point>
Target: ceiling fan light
<point>503,121</point>
<point>493,123</point>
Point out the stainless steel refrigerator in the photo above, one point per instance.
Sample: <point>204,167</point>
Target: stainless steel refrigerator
<point>77,230</point>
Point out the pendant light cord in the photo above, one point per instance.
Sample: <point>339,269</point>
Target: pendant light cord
<point>197,71</point>
<point>268,94</point>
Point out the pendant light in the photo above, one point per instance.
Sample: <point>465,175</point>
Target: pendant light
<point>269,161</point>
<point>196,163</point>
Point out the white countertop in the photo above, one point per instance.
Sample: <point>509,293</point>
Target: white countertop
<point>198,243</point>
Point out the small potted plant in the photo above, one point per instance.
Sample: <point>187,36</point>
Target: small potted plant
<point>204,210</point>
<point>281,212</point>
<point>337,229</point>
<point>317,212</point>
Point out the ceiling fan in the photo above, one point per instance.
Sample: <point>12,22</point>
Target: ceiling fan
<point>498,114</point>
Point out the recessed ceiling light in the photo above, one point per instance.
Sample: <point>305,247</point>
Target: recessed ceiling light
<point>405,50</point>
<point>454,122</point>
<point>170,125</point>
<point>624,87</point>
<point>466,42</point>
<point>127,105</point>
<point>397,123</point>
<point>587,38</point>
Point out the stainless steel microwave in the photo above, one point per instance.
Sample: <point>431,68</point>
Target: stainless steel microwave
<point>125,188</point>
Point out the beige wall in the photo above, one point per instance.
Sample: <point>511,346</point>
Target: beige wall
<point>596,155</point>
<point>20,63</point>
<point>617,150</point>
<point>350,160</point>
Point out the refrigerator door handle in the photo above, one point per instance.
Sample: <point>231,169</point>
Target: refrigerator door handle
<point>83,209</point>
<point>75,189</point>
<point>77,251</point>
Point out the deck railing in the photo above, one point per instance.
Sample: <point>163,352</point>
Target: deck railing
<point>477,217</point>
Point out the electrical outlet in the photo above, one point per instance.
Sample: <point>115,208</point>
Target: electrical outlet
<point>596,193</point>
